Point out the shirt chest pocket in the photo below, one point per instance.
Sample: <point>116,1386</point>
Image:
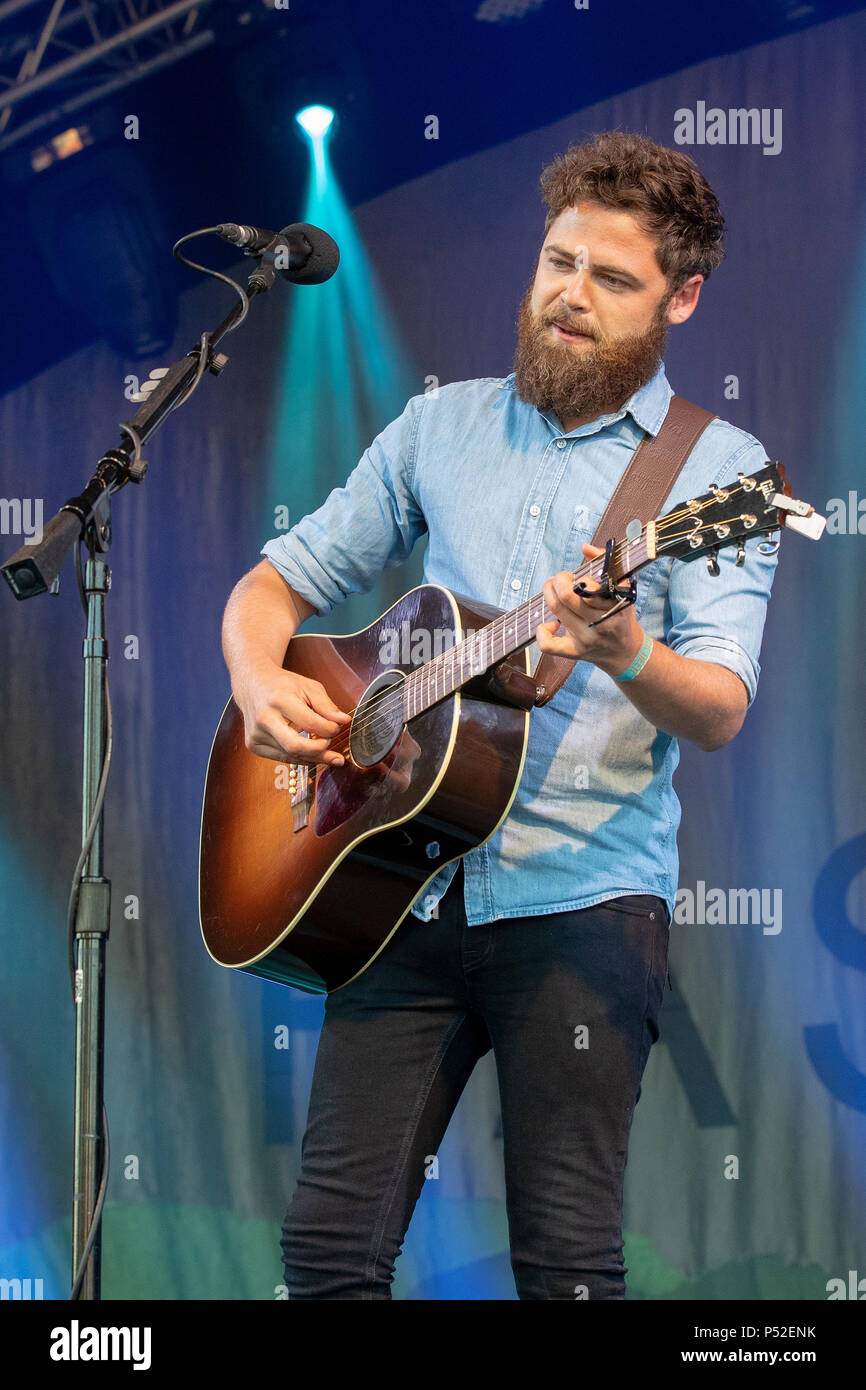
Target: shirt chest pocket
<point>580,532</point>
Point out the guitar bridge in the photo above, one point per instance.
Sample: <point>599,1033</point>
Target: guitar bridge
<point>300,791</point>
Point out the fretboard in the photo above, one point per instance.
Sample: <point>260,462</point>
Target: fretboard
<point>510,632</point>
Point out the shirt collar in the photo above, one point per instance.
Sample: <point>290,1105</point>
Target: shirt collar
<point>648,406</point>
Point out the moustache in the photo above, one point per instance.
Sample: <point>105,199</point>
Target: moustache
<point>570,328</point>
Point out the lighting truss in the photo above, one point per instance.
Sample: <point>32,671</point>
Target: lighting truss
<point>57,56</point>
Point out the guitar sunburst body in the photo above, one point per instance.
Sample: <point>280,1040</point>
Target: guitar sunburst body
<point>305,874</point>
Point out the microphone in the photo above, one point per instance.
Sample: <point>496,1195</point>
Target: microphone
<point>313,255</point>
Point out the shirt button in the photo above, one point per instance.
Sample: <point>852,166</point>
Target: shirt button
<point>516,584</point>
<point>534,510</point>
<point>561,443</point>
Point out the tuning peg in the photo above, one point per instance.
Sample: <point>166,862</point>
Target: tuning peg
<point>741,552</point>
<point>712,562</point>
<point>769,546</point>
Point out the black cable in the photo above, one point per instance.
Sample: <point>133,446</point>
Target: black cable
<point>204,346</point>
<point>97,1210</point>
<point>136,442</point>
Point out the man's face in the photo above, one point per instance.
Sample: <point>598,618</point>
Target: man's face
<point>592,325</point>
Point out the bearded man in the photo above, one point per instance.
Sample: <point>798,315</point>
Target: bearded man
<point>549,942</point>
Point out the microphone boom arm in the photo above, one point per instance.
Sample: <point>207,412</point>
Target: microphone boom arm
<point>33,569</point>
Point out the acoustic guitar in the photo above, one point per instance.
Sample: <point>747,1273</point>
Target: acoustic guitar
<point>306,871</point>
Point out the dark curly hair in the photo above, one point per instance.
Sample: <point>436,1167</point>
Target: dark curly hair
<point>663,189</point>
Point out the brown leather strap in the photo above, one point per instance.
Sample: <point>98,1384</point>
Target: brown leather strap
<point>641,492</point>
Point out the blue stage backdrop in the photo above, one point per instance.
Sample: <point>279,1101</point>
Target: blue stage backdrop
<point>746,1170</point>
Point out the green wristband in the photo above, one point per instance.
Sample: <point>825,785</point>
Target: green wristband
<point>639,662</point>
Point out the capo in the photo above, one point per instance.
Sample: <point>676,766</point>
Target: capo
<point>626,593</point>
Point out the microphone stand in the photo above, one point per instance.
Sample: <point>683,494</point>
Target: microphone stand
<point>33,570</point>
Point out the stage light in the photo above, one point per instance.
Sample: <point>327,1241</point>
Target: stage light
<point>315,121</point>
<point>61,147</point>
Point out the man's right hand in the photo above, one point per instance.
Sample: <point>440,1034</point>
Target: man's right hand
<point>277,705</point>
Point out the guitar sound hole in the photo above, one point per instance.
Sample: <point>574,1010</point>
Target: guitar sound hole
<point>378,720</point>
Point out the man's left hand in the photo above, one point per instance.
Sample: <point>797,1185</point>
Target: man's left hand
<point>612,646</point>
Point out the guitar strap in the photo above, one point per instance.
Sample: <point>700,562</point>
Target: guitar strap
<point>652,471</point>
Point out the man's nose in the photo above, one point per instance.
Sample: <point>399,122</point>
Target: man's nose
<point>576,292</point>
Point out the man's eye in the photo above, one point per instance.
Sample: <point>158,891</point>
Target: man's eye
<point>612,280</point>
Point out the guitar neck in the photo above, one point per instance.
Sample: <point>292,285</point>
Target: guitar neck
<point>511,631</point>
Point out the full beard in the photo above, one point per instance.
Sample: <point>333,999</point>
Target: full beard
<point>579,380</point>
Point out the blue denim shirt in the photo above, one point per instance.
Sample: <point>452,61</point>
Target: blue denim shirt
<point>506,499</point>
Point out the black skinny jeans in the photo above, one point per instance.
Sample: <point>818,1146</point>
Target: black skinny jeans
<point>569,1002</point>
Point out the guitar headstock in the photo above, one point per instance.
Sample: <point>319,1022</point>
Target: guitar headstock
<point>751,506</point>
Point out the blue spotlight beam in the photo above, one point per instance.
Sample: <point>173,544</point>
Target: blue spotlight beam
<point>346,372</point>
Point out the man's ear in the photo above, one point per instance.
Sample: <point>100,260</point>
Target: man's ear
<point>685,301</point>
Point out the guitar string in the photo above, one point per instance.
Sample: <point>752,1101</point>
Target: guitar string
<point>378,712</point>
<point>390,693</point>
<point>443,668</point>
<point>495,628</point>
<point>446,663</point>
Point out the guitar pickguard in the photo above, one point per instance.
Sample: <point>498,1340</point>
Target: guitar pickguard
<point>342,792</point>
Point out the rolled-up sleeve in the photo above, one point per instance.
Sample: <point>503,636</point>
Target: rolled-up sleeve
<point>362,528</point>
<point>721,618</point>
